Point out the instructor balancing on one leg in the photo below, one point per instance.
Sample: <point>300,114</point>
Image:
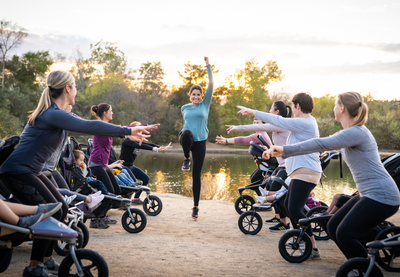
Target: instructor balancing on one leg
<point>194,133</point>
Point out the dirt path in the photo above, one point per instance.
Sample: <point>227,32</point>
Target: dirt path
<point>174,245</point>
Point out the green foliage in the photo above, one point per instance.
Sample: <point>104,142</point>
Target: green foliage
<point>107,55</point>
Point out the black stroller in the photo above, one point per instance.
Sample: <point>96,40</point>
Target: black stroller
<point>133,220</point>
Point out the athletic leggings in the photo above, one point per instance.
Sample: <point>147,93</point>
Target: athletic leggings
<point>275,186</point>
<point>198,149</point>
<point>357,217</point>
<point>296,198</point>
<point>141,175</point>
<point>33,189</point>
<point>104,174</point>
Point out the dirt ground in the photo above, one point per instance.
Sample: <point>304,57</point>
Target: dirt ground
<point>172,244</point>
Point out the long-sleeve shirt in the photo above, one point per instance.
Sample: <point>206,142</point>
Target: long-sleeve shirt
<point>301,129</point>
<point>195,117</point>
<point>101,150</point>
<point>279,135</point>
<point>254,138</point>
<point>360,152</point>
<point>39,143</point>
<point>130,149</point>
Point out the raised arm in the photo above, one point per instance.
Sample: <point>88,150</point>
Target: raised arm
<point>210,87</point>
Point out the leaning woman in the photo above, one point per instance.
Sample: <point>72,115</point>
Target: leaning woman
<point>378,196</point>
<point>194,133</point>
<point>21,172</point>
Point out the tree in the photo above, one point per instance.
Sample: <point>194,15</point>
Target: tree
<point>11,35</point>
<point>109,57</point>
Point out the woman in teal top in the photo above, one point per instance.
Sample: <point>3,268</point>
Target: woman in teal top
<point>194,133</point>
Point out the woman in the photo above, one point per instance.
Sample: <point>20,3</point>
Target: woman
<point>194,133</point>
<point>130,150</point>
<point>304,171</point>
<point>279,137</point>
<point>378,196</point>
<point>45,131</point>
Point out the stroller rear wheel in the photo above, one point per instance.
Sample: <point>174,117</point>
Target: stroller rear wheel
<point>387,256</point>
<point>318,230</point>
<point>135,224</point>
<point>85,233</point>
<point>244,203</point>
<point>91,262</point>
<point>250,223</point>
<point>154,207</point>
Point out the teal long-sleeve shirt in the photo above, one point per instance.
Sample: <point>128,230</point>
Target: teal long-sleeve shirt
<point>195,117</point>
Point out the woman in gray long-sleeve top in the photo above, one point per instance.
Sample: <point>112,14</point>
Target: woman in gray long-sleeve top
<point>304,171</point>
<point>378,196</point>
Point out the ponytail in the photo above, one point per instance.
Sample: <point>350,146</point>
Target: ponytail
<point>354,103</point>
<point>284,110</point>
<point>99,110</point>
<point>56,83</point>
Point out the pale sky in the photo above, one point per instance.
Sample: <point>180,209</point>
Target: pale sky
<point>322,47</point>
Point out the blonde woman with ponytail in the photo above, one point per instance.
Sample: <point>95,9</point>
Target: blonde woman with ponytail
<point>378,197</point>
<point>21,172</point>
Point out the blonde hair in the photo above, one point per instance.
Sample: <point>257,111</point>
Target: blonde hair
<point>354,104</point>
<point>56,83</point>
<point>137,123</point>
<point>78,153</point>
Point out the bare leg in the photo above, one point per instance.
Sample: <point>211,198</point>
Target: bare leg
<point>334,200</point>
<point>20,209</point>
<point>7,215</point>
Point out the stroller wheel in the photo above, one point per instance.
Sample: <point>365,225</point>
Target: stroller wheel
<point>62,248</point>
<point>292,251</point>
<point>85,233</point>
<point>135,225</point>
<point>318,230</point>
<point>250,223</point>
<point>91,262</point>
<point>244,203</point>
<point>359,264</point>
<point>154,207</point>
<point>387,256</point>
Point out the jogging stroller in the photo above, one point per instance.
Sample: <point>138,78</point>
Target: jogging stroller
<point>152,204</point>
<point>133,220</point>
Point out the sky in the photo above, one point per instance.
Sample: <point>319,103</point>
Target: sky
<point>321,46</point>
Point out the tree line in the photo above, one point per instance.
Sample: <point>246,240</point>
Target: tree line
<point>142,95</point>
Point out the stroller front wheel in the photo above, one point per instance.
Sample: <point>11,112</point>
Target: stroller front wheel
<point>360,265</point>
<point>250,223</point>
<point>244,203</point>
<point>136,223</point>
<point>292,250</point>
<point>152,207</point>
<point>92,264</point>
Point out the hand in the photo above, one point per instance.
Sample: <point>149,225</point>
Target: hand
<point>115,165</point>
<point>145,129</point>
<point>207,60</point>
<point>139,138</point>
<point>163,148</point>
<point>231,128</point>
<point>83,165</point>
<point>276,151</point>
<point>246,111</point>
<point>220,140</point>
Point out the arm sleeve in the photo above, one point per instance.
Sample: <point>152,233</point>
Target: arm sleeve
<point>259,128</point>
<point>291,124</point>
<point>342,139</point>
<point>145,145</point>
<point>210,88</point>
<point>71,122</point>
<point>246,140</point>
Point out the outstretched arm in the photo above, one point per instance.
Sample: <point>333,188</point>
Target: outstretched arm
<point>210,87</point>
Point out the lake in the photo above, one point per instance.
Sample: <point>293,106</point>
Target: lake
<point>223,174</point>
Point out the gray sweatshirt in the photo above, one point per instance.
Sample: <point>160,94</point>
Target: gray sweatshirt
<point>279,135</point>
<point>301,129</point>
<point>360,152</point>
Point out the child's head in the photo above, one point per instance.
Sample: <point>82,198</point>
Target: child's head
<point>79,157</point>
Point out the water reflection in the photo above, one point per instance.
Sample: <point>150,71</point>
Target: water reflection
<point>223,174</point>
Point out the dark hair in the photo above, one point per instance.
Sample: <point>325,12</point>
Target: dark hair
<point>284,110</point>
<point>305,101</point>
<point>99,110</point>
<point>196,87</point>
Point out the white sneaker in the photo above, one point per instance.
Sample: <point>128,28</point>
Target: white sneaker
<point>95,200</point>
<point>98,193</point>
<point>69,199</point>
<point>261,199</point>
<point>315,254</point>
<point>263,191</point>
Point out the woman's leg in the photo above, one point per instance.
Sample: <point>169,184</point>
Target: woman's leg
<point>141,175</point>
<point>275,186</point>
<point>198,153</point>
<point>102,175</point>
<point>117,189</point>
<point>79,197</point>
<point>59,180</point>
<point>186,141</point>
<point>97,184</point>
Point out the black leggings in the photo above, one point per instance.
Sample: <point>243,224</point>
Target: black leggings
<point>198,149</point>
<point>357,217</point>
<point>59,180</point>
<point>104,174</point>
<point>275,186</point>
<point>32,189</point>
<point>296,198</point>
<point>141,175</point>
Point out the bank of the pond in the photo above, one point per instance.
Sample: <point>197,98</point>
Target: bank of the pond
<point>174,245</point>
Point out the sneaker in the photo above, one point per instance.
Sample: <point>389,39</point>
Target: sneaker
<point>137,202</point>
<point>195,212</point>
<point>315,254</point>
<point>273,220</point>
<point>95,200</point>
<point>52,266</point>
<point>98,224</point>
<point>302,245</point>
<point>69,199</point>
<point>136,184</point>
<point>261,199</point>
<point>353,273</point>
<point>186,165</point>
<point>48,209</point>
<point>97,193</point>
<point>108,220</point>
<point>29,221</point>
<point>280,227</point>
<point>38,271</point>
<point>263,191</point>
